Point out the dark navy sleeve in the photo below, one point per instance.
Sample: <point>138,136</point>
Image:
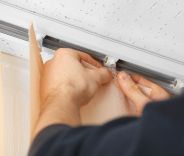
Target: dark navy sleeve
<point>160,131</point>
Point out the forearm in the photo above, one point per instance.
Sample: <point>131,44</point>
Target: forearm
<point>56,113</point>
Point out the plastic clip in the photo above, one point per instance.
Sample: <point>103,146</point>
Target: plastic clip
<point>110,62</point>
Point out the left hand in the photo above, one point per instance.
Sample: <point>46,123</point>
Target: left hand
<point>66,74</point>
<point>67,84</point>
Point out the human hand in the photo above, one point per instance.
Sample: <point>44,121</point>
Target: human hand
<point>66,74</point>
<point>130,87</point>
<point>66,84</point>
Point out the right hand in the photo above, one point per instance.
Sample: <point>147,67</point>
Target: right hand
<point>129,86</point>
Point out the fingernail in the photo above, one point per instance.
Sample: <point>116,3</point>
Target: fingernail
<point>123,76</point>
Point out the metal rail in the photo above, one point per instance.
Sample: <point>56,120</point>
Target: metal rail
<point>53,43</point>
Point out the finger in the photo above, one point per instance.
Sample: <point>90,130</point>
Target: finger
<point>132,91</point>
<point>141,80</point>
<point>157,93</point>
<point>101,75</point>
<point>81,56</point>
<point>87,58</point>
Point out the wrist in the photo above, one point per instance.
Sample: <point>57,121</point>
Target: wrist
<point>58,109</point>
<point>63,109</point>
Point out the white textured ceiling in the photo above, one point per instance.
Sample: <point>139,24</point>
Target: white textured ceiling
<point>155,25</point>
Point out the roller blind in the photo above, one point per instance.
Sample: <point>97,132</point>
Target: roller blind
<point>14,106</point>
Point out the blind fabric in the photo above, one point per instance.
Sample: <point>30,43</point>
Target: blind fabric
<point>14,112</point>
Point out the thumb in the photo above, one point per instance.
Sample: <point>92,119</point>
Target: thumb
<point>132,91</point>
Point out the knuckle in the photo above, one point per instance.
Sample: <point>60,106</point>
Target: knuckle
<point>156,87</point>
<point>98,80</point>
<point>83,85</point>
<point>62,51</point>
<point>80,86</point>
<point>57,53</point>
<point>96,76</point>
<point>133,88</point>
<point>104,70</point>
<point>66,50</point>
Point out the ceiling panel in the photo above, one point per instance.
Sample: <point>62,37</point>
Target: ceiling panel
<point>155,25</point>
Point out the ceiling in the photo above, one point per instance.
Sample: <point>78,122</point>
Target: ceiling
<point>155,25</point>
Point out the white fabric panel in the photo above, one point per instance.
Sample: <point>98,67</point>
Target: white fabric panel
<point>14,76</point>
<point>1,115</point>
